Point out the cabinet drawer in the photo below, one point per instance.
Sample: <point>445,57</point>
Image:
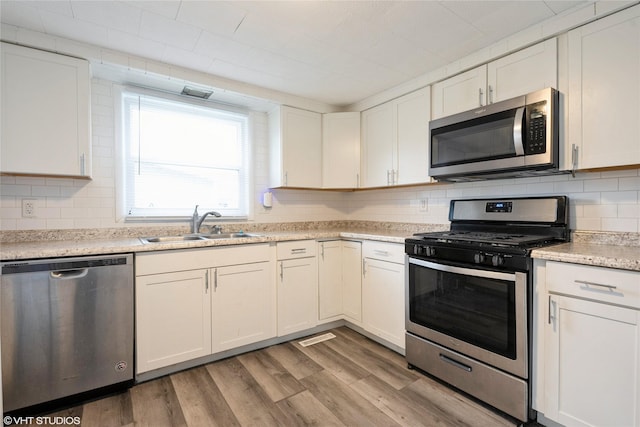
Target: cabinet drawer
<point>608,285</point>
<point>296,249</point>
<point>384,251</point>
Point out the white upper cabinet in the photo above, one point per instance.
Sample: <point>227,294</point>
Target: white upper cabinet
<point>412,118</point>
<point>341,150</point>
<point>522,72</point>
<point>459,93</point>
<point>378,145</point>
<point>525,71</point>
<point>45,113</point>
<point>394,141</point>
<point>604,91</point>
<point>295,148</point>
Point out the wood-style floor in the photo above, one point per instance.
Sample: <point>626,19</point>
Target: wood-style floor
<point>346,381</point>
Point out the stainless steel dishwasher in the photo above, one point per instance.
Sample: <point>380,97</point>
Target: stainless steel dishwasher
<point>67,327</point>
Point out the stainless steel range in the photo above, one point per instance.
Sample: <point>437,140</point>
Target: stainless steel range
<point>469,296</point>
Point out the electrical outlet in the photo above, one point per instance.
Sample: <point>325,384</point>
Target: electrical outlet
<point>423,205</point>
<point>28,208</point>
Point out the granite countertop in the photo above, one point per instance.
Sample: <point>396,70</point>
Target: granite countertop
<point>602,249</point>
<point>91,245</point>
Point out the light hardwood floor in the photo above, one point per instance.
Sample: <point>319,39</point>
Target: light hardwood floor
<point>346,381</point>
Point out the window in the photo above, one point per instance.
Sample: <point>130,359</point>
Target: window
<point>178,154</point>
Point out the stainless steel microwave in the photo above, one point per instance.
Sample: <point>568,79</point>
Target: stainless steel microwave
<point>515,137</point>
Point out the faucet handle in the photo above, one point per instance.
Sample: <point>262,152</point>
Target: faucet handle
<point>195,211</point>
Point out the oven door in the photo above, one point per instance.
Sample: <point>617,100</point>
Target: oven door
<point>479,313</point>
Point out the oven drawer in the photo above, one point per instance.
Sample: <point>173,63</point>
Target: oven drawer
<point>499,389</point>
<point>384,251</point>
<point>603,284</point>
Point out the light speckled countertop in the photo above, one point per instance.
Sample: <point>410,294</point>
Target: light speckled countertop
<point>602,249</point>
<point>77,243</point>
<point>605,249</point>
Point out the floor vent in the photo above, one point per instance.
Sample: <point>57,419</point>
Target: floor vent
<point>316,340</point>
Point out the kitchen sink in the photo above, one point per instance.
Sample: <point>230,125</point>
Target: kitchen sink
<point>191,237</point>
<point>170,239</point>
<point>229,235</point>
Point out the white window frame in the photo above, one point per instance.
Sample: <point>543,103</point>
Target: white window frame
<point>182,214</point>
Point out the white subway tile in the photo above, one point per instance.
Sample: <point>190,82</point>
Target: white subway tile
<point>603,184</point>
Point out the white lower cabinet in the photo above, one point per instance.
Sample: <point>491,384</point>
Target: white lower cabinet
<point>352,281</point>
<point>173,319</point>
<point>330,287</point>
<point>340,281</point>
<point>196,302</point>
<point>243,305</point>
<point>297,271</point>
<point>592,346</point>
<point>383,291</point>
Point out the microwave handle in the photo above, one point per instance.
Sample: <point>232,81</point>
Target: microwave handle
<point>517,132</point>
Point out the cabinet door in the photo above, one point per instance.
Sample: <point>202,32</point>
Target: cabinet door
<point>459,93</point>
<point>527,70</point>
<point>378,146</point>
<point>592,363</point>
<point>297,295</point>
<point>45,113</point>
<point>243,305</point>
<point>383,300</point>
<point>413,113</point>
<point>173,319</point>
<point>330,280</point>
<point>352,281</point>
<point>604,91</point>
<point>341,150</point>
<point>301,148</point>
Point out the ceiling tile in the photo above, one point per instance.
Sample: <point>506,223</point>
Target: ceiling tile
<point>222,19</point>
<point>120,16</point>
<point>168,31</point>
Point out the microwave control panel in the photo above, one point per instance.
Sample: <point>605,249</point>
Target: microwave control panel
<point>536,129</point>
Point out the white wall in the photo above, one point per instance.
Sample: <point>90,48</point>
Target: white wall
<point>607,201</point>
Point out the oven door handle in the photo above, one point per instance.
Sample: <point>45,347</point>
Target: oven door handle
<point>466,271</point>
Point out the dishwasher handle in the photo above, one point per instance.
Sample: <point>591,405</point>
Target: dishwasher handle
<point>69,274</point>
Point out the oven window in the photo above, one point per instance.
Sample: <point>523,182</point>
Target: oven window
<point>476,310</point>
<point>485,138</point>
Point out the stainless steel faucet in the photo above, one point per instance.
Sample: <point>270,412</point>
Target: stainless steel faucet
<point>196,220</point>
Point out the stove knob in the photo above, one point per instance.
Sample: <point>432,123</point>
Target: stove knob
<point>478,258</point>
<point>430,251</point>
<point>497,260</point>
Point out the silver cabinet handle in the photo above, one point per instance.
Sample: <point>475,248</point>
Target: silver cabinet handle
<point>357,180</point>
<point>490,97</point>
<point>322,250</point>
<point>480,97</point>
<point>574,159</point>
<point>298,251</point>
<point>215,280</point>
<point>388,178</point>
<point>286,179</point>
<point>281,271</point>
<point>552,310</point>
<point>206,282</point>
<point>82,164</point>
<point>600,285</point>
<point>364,267</point>
<point>381,252</point>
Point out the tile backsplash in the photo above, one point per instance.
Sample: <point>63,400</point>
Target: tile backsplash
<point>599,201</point>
